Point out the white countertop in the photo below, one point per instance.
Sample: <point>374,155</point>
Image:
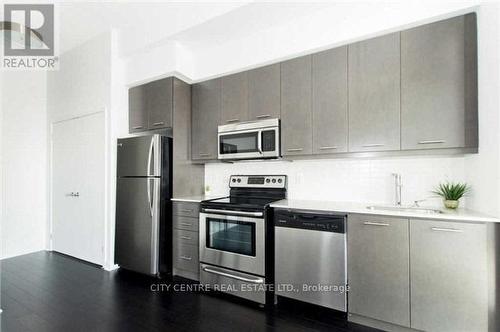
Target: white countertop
<point>459,214</point>
<point>194,199</point>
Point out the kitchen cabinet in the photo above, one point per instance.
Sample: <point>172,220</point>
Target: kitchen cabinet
<point>329,101</point>
<point>185,253</point>
<point>206,107</point>
<point>264,95</point>
<point>448,276</point>
<point>234,98</point>
<point>438,73</point>
<point>296,115</point>
<point>374,94</point>
<point>137,114</point>
<point>378,268</point>
<point>151,105</point>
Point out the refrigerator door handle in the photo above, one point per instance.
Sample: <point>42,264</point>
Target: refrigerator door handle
<point>150,157</point>
<point>150,201</point>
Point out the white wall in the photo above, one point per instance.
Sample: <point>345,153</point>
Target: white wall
<point>348,180</point>
<point>82,86</point>
<point>24,162</point>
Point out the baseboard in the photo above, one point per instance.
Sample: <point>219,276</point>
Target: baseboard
<point>111,268</point>
<point>22,254</point>
<point>378,324</point>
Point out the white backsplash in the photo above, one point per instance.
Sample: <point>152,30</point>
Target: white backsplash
<point>348,180</point>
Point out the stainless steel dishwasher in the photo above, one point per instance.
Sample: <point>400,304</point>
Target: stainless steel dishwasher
<point>310,257</point>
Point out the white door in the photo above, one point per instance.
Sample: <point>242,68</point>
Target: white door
<point>78,188</point>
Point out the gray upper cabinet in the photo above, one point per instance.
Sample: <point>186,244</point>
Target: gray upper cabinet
<point>206,107</point>
<point>137,106</point>
<point>296,115</point>
<point>434,73</point>
<point>448,276</point>
<point>329,101</point>
<point>160,103</point>
<point>234,98</point>
<point>378,268</point>
<point>264,95</point>
<point>374,90</point>
<point>151,105</point>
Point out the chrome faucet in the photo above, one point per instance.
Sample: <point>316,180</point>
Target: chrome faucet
<point>397,187</point>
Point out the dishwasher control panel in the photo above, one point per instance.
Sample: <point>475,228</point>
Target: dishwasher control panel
<point>310,221</point>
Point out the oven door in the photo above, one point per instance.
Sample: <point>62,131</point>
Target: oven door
<point>240,145</point>
<point>233,242</point>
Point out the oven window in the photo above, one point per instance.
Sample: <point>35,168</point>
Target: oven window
<point>239,143</point>
<point>232,236</point>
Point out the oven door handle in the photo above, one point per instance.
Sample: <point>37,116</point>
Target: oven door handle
<point>232,276</point>
<point>238,213</point>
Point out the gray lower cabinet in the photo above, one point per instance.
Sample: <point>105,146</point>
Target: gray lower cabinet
<point>433,80</point>
<point>329,101</point>
<point>264,95</point>
<point>137,111</point>
<point>206,107</point>
<point>296,115</point>
<point>448,276</point>
<point>234,98</point>
<point>374,94</point>
<point>378,268</point>
<point>185,258</point>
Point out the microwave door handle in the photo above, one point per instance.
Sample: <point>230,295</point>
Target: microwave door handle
<point>259,142</point>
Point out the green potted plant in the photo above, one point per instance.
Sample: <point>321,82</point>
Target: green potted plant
<point>451,193</point>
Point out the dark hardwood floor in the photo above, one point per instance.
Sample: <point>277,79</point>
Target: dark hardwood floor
<point>51,292</point>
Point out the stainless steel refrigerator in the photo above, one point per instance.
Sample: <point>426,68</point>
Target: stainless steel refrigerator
<point>143,191</point>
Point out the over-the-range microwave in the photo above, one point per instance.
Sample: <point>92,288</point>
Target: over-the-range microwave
<point>249,140</point>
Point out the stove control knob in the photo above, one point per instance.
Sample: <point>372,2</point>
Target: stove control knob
<point>233,180</point>
<point>239,180</point>
<point>280,180</point>
<point>268,180</point>
<point>274,180</point>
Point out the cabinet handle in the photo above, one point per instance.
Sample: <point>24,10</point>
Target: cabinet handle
<point>372,145</point>
<point>232,120</point>
<point>205,154</point>
<point>453,230</point>
<point>137,127</point>
<point>186,237</point>
<point>186,224</point>
<point>295,150</point>
<point>432,142</point>
<point>186,258</point>
<point>327,147</point>
<point>158,123</point>
<point>187,211</point>
<point>263,116</point>
<point>372,223</point>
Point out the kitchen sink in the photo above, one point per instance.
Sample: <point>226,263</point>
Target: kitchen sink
<point>404,209</point>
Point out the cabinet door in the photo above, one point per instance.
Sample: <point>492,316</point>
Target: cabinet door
<point>205,118</point>
<point>448,276</point>
<point>296,115</point>
<point>432,86</point>
<point>329,101</point>
<point>374,86</point>
<point>234,98</point>
<point>137,109</point>
<point>264,96</point>
<point>160,101</point>
<point>378,268</point>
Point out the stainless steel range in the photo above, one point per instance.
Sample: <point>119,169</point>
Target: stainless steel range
<point>234,232</point>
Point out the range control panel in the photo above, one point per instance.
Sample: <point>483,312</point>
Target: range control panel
<point>257,181</point>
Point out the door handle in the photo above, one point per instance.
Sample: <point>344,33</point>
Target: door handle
<point>373,145</point>
<point>371,223</point>
<point>232,276</point>
<point>432,142</point>
<point>150,156</point>
<point>263,116</point>
<point>452,230</point>
<point>327,147</point>
<point>295,150</point>
<point>158,123</point>
<point>150,201</point>
<point>186,238</point>
<point>186,258</point>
